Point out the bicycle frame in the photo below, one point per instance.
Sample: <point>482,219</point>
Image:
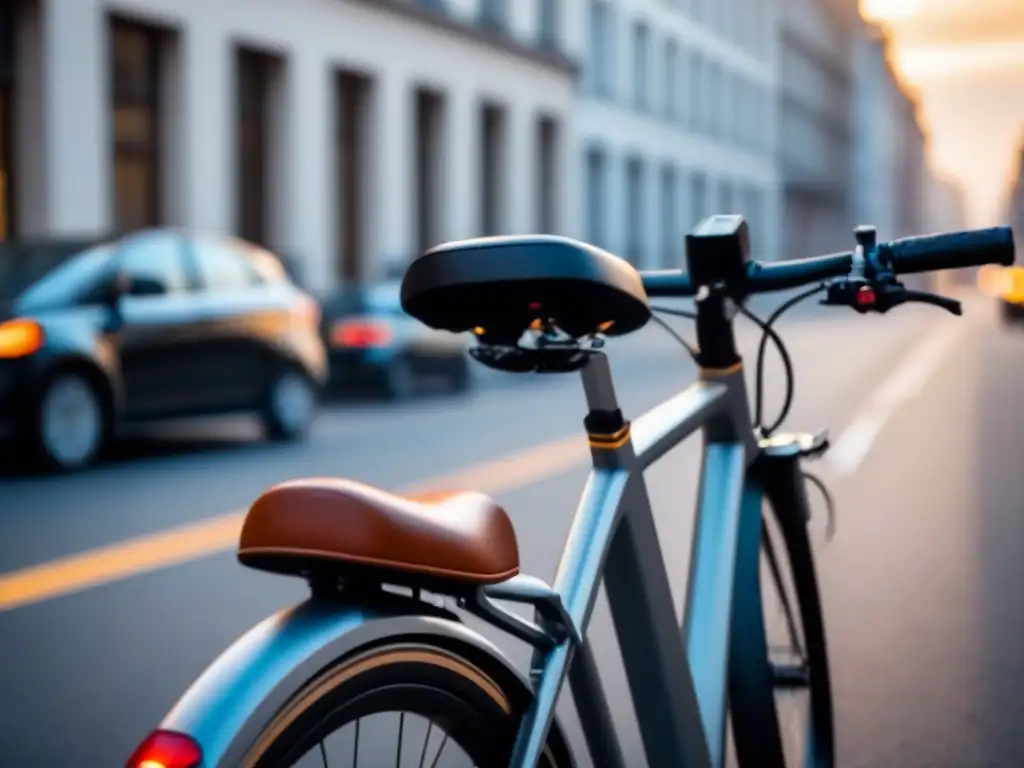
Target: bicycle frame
<point>678,688</point>
<point>678,677</point>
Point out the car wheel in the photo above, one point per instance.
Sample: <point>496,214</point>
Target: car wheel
<point>291,406</point>
<point>70,423</point>
<point>400,381</point>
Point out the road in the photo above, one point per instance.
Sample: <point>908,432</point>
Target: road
<point>921,582</point>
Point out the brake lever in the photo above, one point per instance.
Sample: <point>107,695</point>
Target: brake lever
<point>943,302</point>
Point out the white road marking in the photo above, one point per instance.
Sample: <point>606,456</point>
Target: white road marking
<point>906,382</point>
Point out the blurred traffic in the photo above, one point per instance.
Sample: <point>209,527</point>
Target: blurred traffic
<point>155,326</point>
<point>373,344</point>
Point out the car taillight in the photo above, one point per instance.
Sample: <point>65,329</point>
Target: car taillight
<point>360,334</point>
<point>166,749</point>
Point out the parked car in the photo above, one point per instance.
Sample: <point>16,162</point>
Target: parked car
<point>373,344</point>
<point>157,325</point>
<point>1011,294</point>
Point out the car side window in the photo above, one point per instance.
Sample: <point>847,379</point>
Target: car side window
<point>223,268</point>
<point>155,259</point>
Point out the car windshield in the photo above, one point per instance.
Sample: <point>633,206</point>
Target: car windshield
<point>66,282</point>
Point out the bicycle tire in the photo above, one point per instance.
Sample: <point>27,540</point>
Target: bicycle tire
<point>419,678</point>
<point>820,753</point>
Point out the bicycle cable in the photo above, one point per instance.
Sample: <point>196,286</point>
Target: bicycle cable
<point>767,333</point>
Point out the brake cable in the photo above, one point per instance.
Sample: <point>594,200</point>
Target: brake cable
<point>767,333</point>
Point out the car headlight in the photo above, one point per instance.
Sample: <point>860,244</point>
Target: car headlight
<point>20,338</point>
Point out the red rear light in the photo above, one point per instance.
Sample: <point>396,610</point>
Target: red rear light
<point>166,749</point>
<point>361,334</point>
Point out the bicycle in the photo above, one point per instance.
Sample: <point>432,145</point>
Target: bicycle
<point>371,636</point>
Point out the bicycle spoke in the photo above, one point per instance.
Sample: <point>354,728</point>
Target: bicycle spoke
<point>437,757</point>
<point>323,754</point>
<point>355,748</point>
<point>426,741</point>
<point>401,729</point>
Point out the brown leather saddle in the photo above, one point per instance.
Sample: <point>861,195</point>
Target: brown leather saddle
<point>345,527</point>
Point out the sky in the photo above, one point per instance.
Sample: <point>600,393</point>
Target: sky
<point>965,58</point>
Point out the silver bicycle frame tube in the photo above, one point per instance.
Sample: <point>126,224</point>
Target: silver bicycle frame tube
<point>677,679</point>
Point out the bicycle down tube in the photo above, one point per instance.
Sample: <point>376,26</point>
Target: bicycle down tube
<point>677,677</point>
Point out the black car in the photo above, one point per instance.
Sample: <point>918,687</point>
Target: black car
<point>157,325</point>
<point>373,344</point>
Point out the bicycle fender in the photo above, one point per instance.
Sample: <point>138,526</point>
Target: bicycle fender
<point>235,698</point>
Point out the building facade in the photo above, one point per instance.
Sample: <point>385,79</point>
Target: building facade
<point>675,121</point>
<point>818,40</point>
<point>891,175</point>
<point>350,134</point>
<point>1015,203</point>
<point>945,204</point>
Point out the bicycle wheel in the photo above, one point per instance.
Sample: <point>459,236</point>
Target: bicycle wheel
<point>797,650</point>
<point>399,704</point>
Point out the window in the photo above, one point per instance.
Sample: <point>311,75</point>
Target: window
<point>492,165</point>
<point>7,56</point>
<point>742,115</point>
<point>757,221</point>
<point>698,198</point>
<point>6,160</point>
<point>634,209</point>
<point>156,256</point>
<point>601,50</point>
<point>641,65</point>
<point>595,178</point>
<point>726,204</point>
<point>734,107</point>
<point>254,71</point>
<point>547,175</point>
<point>429,143</point>
<point>669,205</point>
<point>223,267</point>
<point>550,23</point>
<point>670,80</point>
<point>493,14</point>
<point>698,115</point>
<point>352,98</point>
<point>714,102</point>
<point>135,76</point>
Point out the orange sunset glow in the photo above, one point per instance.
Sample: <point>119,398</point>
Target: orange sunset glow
<point>966,59</point>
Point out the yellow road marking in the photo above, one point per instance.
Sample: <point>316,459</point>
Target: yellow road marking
<point>219,534</point>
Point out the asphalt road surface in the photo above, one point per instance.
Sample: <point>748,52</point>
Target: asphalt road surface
<point>922,581</point>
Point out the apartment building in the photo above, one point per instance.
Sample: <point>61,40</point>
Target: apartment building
<point>817,136</point>
<point>676,120</point>
<point>891,176</point>
<point>1015,202</point>
<point>350,134</point>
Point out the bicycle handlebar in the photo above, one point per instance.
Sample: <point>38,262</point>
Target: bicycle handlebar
<point>955,250</point>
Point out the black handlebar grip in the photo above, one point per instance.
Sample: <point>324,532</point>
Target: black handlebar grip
<point>955,250</point>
